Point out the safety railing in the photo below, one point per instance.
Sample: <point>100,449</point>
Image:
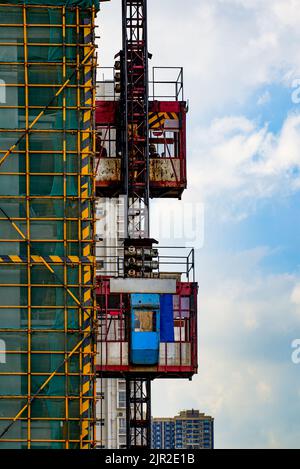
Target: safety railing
<point>165,84</point>
<point>172,261</point>
<point>105,85</point>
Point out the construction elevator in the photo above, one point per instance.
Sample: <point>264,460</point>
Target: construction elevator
<point>147,314</point>
<point>67,315</point>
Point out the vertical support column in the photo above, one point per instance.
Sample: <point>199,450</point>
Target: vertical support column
<point>138,412</point>
<point>87,146</point>
<point>28,247</point>
<point>65,235</point>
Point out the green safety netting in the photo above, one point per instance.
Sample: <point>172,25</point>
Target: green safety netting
<point>70,3</point>
<point>39,190</point>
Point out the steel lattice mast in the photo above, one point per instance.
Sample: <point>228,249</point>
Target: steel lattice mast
<point>135,99</point>
<point>135,102</point>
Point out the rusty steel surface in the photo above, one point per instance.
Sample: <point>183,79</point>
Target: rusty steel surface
<point>109,170</point>
<point>163,170</point>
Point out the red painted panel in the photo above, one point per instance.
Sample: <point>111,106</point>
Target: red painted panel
<point>166,106</point>
<point>159,369</point>
<point>184,289</point>
<point>106,112</point>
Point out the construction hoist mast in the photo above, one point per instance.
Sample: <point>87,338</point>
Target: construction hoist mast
<point>147,304</point>
<point>136,125</point>
<point>135,101</point>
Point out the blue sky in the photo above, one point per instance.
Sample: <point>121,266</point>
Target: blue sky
<point>241,60</point>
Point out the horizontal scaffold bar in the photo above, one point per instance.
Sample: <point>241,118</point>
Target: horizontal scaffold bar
<point>49,259</point>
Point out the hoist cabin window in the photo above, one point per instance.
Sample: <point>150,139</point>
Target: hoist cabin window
<point>144,321</point>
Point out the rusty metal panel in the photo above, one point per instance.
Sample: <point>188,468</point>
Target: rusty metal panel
<point>165,170</point>
<point>109,170</point>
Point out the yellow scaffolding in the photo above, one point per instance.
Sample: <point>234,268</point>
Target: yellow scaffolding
<point>47,264</point>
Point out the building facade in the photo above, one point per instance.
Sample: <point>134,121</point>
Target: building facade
<point>111,392</point>
<point>163,433</point>
<point>111,414</point>
<point>190,429</point>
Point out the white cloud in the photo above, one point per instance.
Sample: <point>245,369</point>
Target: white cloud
<point>295,296</point>
<point>246,378</point>
<point>287,12</point>
<point>227,47</point>
<point>264,98</point>
<point>264,391</point>
<point>236,158</point>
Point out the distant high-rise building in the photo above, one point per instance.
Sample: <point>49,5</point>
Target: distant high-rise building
<point>163,433</point>
<point>188,430</point>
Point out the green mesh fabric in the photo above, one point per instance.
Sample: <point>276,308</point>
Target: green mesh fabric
<point>69,3</point>
<point>39,191</point>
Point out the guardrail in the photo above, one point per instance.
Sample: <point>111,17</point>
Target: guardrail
<point>171,260</point>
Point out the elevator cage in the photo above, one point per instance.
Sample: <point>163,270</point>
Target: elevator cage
<point>147,334</point>
<point>167,137</point>
<point>47,341</point>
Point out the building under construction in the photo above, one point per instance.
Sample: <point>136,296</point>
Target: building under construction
<point>82,305</point>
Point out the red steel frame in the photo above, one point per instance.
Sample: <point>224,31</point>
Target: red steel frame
<point>158,188</point>
<point>114,321</point>
<point>106,116</point>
